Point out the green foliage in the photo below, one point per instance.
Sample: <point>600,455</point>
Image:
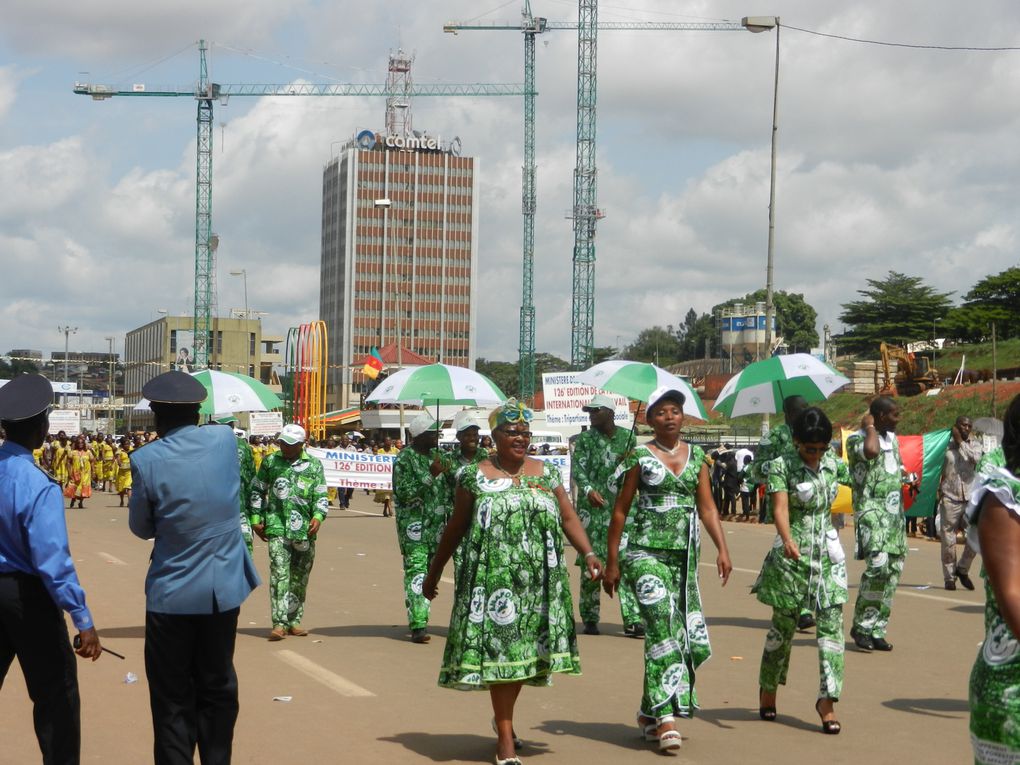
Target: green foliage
<point>993,299</point>
<point>11,369</point>
<point>899,309</point>
<point>503,373</point>
<point>795,318</point>
<point>656,345</point>
<point>696,335</point>
<point>603,353</point>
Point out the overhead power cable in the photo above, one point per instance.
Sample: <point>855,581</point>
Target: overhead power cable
<point>865,41</point>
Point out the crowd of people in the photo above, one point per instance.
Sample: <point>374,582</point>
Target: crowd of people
<point>502,517</point>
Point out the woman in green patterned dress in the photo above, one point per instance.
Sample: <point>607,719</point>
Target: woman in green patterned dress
<point>512,622</point>
<point>660,564</point>
<point>994,530</point>
<point>806,567</point>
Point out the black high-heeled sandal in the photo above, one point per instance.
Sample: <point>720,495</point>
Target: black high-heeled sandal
<point>829,727</point>
<point>765,713</point>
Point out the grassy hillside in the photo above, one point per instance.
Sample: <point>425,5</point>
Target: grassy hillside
<point>978,356</point>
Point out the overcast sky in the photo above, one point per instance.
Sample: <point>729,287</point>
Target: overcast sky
<point>889,157</point>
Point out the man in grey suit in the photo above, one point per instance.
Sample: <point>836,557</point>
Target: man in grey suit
<point>185,495</point>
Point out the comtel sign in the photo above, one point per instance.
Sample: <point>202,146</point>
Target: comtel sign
<point>368,140</point>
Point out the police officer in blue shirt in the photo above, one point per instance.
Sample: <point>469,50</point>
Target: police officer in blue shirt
<point>185,495</point>
<point>37,576</point>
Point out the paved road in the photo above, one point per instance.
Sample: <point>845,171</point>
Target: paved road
<point>360,692</point>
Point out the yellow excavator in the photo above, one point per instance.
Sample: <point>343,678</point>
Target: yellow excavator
<point>914,373</point>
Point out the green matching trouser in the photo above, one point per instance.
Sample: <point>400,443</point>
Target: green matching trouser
<point>417,556</point>
<point>874,597</point>
<point>590,606</point>
<point>290,564</point>
<point>775,659</point>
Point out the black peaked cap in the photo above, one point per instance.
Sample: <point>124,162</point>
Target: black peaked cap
<point>25,396</point>
<point>174,388</point>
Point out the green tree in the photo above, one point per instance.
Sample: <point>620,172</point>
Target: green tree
<point>503,373</point>
<point>655,344</point>
<point>696,335</point>
<point>898,309</point>
<point>993,299</point>
<point>796,319</point>
<point>11,369</point>
<point>603,353</point>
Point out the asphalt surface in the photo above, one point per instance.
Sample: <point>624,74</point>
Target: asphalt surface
<point>357,690</point>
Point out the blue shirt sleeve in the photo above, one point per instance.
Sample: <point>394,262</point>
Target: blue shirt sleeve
<point>140,519</point>
<point>46,532</point>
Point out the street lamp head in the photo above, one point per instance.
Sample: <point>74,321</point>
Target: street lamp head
<point>759,23</point>
<point>383,203</point>
<point>242,272</point>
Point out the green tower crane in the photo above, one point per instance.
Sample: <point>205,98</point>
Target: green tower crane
<point>205,92</point>
<point>531,26</point>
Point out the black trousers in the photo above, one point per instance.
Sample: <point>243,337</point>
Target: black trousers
<point>33,629</point>
<point>189,662</point>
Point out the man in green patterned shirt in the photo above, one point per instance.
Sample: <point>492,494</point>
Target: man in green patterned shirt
<point>598,452</point>
<point>288,503</point>
<point>246,458</point>
<point>420,495</point>
<point>876,472</point>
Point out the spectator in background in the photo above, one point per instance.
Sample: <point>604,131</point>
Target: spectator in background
<point>746,493</point>
<point>958,473</point>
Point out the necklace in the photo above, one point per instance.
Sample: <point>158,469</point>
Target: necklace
<point>499,466</point>
<point>671,452</point>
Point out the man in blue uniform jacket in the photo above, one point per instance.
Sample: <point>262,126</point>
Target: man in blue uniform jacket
<point>185,495</point>
<point>37,576</point>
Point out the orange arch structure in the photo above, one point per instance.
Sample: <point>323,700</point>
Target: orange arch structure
<point>305,353</point>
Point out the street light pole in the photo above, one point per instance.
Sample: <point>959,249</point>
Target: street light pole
<point>761,24</point>
<point>243,273</point>
<point>384,204</point>
<point>67,330</point>
<point>109,388</point>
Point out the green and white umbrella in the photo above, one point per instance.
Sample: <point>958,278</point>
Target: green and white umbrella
<point>637,380</point>
<point>230,392</point>
<point>436,384</point>
<point>762,386</point>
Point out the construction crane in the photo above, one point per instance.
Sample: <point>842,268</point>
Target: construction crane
<point>205,92</point>
<point>583,308</point>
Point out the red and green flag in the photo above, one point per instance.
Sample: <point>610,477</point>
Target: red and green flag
<point>924,456</point>
<point>373,364</point>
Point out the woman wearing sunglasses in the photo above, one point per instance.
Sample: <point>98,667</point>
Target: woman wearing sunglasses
<point>513,620</point>
<point>660,564</point>
<point>806,567</point>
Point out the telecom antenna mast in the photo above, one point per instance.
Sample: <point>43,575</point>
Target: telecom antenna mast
<point>398,105</point>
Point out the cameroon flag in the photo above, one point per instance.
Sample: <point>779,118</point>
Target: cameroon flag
<point>373,364</point>
<point>922,455</point>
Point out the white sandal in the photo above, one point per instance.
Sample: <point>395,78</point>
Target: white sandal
<point>671,739</point>
<point>649,731</point>
<point>515,760</point>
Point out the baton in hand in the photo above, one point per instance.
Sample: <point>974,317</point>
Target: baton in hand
<point>77,645</point>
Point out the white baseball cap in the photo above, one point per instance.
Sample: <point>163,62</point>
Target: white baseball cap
<point>292,434</point>
<point>464,420</point>
<point>600,401</point>
<point>665,393</point>
<point>421,423</point>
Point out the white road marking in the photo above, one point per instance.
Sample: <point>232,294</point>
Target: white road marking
<point>331,680</point>
<point>111,559</point>
<point>362,512</point>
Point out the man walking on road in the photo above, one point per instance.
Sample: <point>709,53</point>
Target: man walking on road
<point>962,457</point>
<point>185,494</point>
<point>288,503</point>
<point>598,452</point>
<point>876,472</point>
<point>422,511</point>
<point>37,576</point>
